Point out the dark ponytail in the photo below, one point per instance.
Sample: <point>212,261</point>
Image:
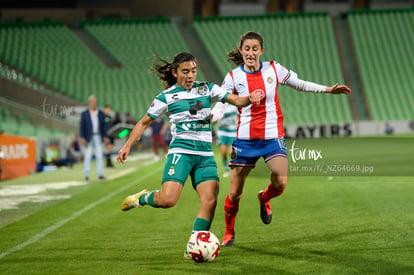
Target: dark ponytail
<point>165,70</point>
<point>235,56</point>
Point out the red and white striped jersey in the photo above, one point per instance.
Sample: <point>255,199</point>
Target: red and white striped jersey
<point>263,121</point>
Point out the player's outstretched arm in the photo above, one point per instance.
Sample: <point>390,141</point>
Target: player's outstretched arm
<point>242,101</point>
<point>338,89</point>
<point>306,86</point>
<point>135,135</point>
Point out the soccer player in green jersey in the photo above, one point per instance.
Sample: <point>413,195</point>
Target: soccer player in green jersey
<point>187,104</point>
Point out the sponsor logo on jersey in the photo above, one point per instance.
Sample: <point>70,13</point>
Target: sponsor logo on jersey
<point>193,126</point>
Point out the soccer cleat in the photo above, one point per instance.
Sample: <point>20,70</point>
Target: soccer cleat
<point>228,241</point>
<point>133,200</point>
<point>265,210</point>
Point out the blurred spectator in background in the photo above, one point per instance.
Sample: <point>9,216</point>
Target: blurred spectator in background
<point>226,133</point>
<point>117,118</point>
<point>109,121</point>
<point>389,130</point>
<point>93,133</point>
<point>158,128</point>
<point>75,151</point>
<point>129,118</point>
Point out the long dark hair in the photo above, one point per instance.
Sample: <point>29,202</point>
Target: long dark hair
<point>165,70</point>
<point>235,56</point>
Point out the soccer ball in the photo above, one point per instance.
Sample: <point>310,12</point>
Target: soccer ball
<point>203,246</point>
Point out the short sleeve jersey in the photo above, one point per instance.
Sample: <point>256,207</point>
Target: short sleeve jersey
<point>227,126</point>
<point>189,112</point>
<point>263,121</point>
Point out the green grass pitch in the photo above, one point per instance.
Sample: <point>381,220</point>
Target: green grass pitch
<point>322,224</point>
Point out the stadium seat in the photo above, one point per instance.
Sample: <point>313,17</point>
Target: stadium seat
<point>50,52</point>
<point>383,44</point>
<point>128,41</point>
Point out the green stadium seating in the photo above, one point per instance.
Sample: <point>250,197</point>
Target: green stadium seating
<point>47,51</point>
<point>133,43</point>
<point>52,53</point>
<point>383,43</point>
<point>302,43</point>
<point>26,129</point>
<point>16,124</point>
<point>10,126</point>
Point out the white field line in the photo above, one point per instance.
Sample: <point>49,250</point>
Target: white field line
<point>75,215</point>
<point>122,173</point>
<point>13,195</point>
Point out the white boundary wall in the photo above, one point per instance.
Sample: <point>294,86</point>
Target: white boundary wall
<point>360,128</point>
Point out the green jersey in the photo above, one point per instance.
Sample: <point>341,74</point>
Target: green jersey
<point>189,112</point>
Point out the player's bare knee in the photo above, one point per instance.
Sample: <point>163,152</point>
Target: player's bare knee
<point>235,196</point>
<point>279,182</point>
<point>168,203</point>
<point>209,201</point>
<point>212,202</point>
<point>282,184</point>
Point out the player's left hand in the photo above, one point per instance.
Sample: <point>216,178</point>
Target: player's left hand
<point>339,89</point>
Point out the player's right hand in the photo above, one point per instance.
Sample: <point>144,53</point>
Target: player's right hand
<point>122,155</point>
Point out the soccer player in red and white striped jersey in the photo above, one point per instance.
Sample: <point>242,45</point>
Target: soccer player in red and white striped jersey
<point>260,130</point>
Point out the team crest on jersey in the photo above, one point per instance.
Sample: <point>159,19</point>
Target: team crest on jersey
<point>269,79</point>
<point>202,90</point>
<point>171,171</point>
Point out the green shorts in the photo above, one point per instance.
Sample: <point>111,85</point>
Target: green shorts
<point>200,168</point>
<point>226,140</point>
